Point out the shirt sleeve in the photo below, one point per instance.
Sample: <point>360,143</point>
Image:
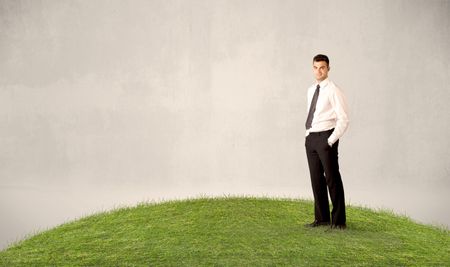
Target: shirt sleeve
<point>339,104</point>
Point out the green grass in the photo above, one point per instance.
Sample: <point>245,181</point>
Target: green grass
<point>232,231</point>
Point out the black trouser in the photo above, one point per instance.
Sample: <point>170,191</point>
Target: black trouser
<point>324,171</point>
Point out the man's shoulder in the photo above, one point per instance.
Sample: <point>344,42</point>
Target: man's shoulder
<point>330,83</point>
<point>332,86</point>
<point>312,86</point>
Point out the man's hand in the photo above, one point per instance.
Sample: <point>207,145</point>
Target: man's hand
<point>330,144</point>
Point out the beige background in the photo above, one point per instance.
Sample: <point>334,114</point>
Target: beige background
<point>108,103</point>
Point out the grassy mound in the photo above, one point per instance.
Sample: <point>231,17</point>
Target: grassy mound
<point>232,232</point>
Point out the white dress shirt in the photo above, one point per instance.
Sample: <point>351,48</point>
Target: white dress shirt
<point>331,110</point>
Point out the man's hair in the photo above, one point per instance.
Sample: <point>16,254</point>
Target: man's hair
<point>321,57</point>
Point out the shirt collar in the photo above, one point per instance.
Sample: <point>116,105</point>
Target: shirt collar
<point>323,83</point>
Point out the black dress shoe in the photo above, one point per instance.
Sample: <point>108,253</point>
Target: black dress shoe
<point>339,226</point>
<point>317,224</point>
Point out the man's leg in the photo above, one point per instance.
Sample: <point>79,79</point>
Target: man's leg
<point>318,182</point>
<point>329,158</point>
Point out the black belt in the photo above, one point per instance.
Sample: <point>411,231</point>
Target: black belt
<point>321,133</point>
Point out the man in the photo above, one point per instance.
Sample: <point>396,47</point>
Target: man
<point>326,123</point>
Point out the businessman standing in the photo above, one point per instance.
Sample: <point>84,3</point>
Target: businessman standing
<point>326,122</point>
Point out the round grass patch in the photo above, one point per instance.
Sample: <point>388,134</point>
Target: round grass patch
<point>232,231</point>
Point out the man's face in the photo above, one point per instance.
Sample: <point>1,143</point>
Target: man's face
<point>320,69</point>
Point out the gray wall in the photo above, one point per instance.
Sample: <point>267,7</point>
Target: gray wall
<point>108,103</point>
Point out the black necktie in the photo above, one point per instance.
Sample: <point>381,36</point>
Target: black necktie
<point>312,108</point>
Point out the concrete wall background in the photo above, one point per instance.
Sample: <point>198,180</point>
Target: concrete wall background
<point>106,103</point>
